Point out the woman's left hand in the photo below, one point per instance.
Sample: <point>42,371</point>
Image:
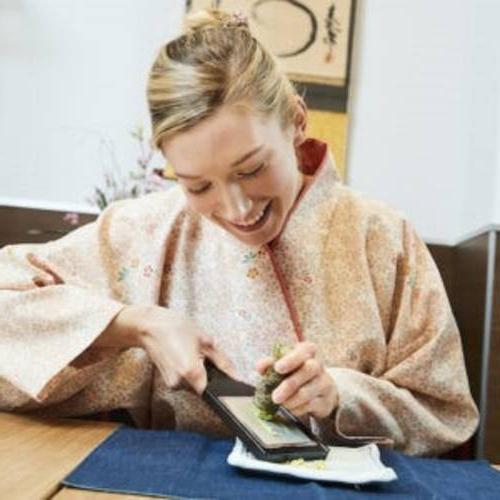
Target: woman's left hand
<point>307,388</point>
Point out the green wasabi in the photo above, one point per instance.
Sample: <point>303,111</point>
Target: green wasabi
<point>266,408</point>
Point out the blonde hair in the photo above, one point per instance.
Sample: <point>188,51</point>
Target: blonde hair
<point>216,61</point>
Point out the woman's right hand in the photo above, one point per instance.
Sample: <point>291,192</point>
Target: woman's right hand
<point>175,344</point>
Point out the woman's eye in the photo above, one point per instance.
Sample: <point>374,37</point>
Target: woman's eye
<point>201,190</point>
<point>253,172</point>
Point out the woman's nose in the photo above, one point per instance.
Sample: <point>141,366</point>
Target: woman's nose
<point>236,206</point>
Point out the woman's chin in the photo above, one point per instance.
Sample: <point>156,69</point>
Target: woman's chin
<point>265,231</point>
<point>263,236</point>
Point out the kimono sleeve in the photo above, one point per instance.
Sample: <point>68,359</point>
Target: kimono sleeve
<point>55,300</point>
<point>422,400</point>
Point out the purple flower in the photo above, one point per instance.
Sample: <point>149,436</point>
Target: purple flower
<point>72,218</point>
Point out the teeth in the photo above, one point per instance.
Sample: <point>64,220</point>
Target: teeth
<point>255,219</point>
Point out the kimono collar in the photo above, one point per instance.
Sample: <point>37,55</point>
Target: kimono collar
<point>316,162</point>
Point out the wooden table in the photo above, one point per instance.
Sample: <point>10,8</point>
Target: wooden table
<point>36,455</point>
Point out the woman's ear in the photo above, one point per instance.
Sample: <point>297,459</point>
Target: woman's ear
<point>300,122</point>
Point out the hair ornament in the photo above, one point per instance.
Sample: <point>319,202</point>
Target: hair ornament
<point>237,19</point>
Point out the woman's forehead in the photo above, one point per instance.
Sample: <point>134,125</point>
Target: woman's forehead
<point>222,139</point>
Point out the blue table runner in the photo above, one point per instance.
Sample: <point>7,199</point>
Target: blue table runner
<point>190,465</point>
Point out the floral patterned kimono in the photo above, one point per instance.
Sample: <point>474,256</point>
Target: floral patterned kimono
<point>346,273</point>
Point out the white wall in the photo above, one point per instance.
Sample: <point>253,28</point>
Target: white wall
<point>72,77</point>
<point>497,144</point>
<point>425,112</point>
<point>425,102</point>
<point>483,101</point>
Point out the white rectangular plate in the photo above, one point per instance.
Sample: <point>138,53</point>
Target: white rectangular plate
<point>345,465</point>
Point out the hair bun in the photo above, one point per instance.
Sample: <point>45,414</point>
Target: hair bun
<point>214,19</point>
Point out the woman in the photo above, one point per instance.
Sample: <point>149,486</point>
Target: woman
<point>258,243</point>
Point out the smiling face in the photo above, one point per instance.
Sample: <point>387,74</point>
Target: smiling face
<point>239,170</point>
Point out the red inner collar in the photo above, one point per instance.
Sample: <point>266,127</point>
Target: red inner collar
<point>311,154</point>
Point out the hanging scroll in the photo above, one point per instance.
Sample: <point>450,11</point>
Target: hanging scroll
<point>311,38</point>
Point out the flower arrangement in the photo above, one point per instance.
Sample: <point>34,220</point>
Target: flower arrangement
<point>141,180</point>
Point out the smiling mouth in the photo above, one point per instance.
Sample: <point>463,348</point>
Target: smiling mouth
<point>256,224</point>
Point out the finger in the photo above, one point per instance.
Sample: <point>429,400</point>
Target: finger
<point>210,350</point>
<point>37,262</point>
<point>322,405</point>
<point>221,361</point>
<point>42,281</point>
<point>313,407</point>
<point>310,369</point>
<point>206,341</point>
<point>294,359</point>
<point>263,364</point>
<point>172,380</point>
<point>306,393</point>
<point>195,376</point>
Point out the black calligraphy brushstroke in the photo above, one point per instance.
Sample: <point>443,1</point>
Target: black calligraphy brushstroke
<point>332,28</point>
<point>331,35</point>
<point>314,24</point>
